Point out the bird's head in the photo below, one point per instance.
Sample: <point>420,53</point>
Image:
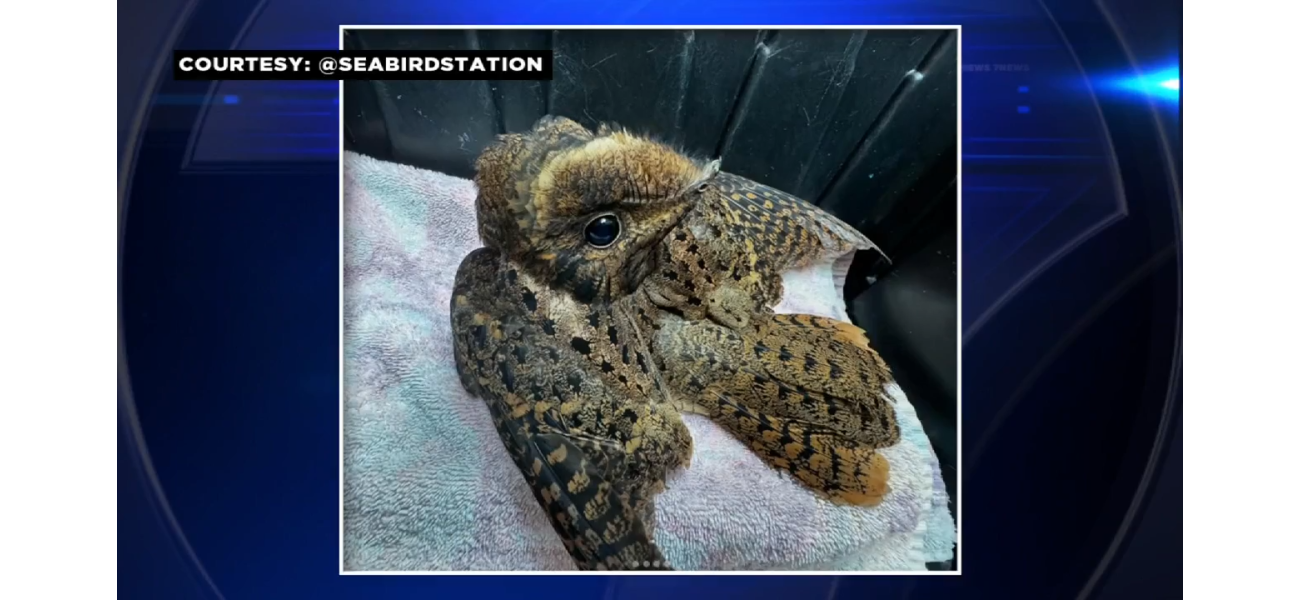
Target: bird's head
<point>584,211</point>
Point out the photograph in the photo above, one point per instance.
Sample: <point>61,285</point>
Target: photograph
<point>691,304</point>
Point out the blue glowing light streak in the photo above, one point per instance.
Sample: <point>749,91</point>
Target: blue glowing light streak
<point>1162,84</point>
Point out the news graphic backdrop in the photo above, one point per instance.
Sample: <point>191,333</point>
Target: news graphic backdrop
<point>228,448</point>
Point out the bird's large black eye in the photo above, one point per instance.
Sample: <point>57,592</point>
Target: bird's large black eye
<point>603,231</point>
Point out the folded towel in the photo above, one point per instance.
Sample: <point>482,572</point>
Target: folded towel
<point>428,485</point>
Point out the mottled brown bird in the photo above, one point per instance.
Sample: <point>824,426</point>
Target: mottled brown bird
<point>549,334</point>
<point>620,275</point>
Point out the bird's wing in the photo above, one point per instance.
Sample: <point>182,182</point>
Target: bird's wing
<point>503,358</point>
<point>805,393</point>
<point>791,231</point>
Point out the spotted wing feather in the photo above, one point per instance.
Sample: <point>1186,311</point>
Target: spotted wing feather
<point>806,394</point>
<point>505,357</point>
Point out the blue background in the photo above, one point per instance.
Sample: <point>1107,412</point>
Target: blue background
<point>228,403</point>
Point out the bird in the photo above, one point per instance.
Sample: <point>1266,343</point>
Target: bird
<point>614,268</point>
<point>550,332</point>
